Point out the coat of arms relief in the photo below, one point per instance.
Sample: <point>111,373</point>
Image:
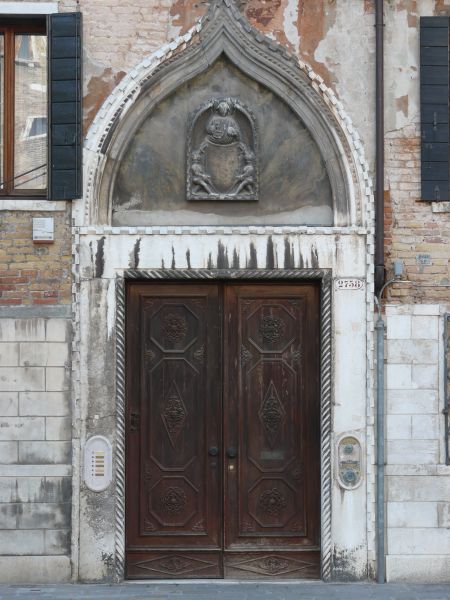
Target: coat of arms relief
<point>222,152</point>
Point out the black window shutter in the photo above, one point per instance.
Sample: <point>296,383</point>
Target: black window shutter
<point>434,103</point>
<point>65,105</point>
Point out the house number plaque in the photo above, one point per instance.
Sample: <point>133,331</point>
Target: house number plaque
<point>349,283</point>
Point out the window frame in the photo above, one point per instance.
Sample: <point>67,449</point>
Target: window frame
<point>9,27</point>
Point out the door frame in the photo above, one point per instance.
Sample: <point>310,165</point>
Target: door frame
<point>324,276</point>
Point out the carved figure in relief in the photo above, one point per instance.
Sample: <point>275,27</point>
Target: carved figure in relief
<point>200,179</point>
<point>222,152</point>
<point>222,128</point>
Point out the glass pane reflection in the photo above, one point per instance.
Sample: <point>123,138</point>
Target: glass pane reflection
<point>30,119</point>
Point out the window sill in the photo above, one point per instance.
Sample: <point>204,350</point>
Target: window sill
<point>31,205</point>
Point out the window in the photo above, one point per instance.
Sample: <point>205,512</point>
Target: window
<point>23,95</point>
<point>40,101</point>
<point>434,95</point>
<point>36,127</point>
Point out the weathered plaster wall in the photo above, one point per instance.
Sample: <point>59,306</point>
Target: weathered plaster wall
<point>324,33</point>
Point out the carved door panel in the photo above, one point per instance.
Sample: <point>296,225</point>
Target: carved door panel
<point>271,431</point>
<point>173,489</point>
<point>222,488</point>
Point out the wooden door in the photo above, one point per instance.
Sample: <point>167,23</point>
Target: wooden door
<point>173,477</point>
<point>271,431</point>
<point>232,491</point>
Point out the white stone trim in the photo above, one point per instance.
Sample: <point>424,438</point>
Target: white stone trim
<point>33,205</point>
<point>28,8</point>
<point>219,230</point>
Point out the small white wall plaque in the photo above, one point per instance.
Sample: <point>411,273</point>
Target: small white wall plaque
<point>97,463</point>
<point>43,230</point>
<point>349,283</point>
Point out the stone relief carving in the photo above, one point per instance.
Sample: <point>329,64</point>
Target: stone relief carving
<point>222,162</point>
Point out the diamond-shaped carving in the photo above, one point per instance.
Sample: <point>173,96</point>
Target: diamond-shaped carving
<point>272,414</point>
<point>174,414</point>
<point>272,565</point>
<point>173,565</point>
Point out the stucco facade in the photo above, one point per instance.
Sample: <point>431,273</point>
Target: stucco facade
<point>61,305</point>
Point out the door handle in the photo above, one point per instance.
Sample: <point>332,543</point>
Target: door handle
<point>231,452</point>
<point>213,451</point>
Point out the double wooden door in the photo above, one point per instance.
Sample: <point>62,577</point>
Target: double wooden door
<point>223,460</point>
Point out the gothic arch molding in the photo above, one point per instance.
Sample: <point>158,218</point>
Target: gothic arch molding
<point>223,31</point>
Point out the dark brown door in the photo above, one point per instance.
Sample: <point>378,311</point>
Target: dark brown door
<point>173,478</point>
<point>226,488</point>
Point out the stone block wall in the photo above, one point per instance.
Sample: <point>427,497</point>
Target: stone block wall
<point>35,450</point>
<point>418,480</point>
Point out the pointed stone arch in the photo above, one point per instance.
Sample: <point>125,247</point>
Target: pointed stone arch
<point>224,31</point>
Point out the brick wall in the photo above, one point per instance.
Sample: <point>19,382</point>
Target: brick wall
<point>35,450</point>
<point>414,233</point>
<point>34,273</point>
